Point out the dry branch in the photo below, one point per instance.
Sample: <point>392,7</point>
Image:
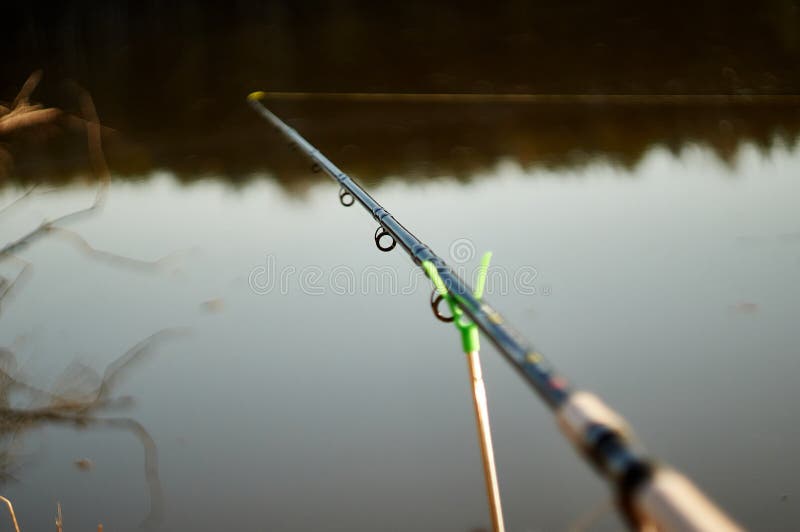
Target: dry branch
<point>83,409</point>
<point>11,511</point>
<point>85,412</point>
<point>22,114</point>
<point>19,199</point>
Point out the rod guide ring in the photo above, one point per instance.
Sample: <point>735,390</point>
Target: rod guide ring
<point>344,194</point>
<point>379,234</point>
<point>436,299</point>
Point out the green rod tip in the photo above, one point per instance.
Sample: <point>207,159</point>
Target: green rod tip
<point>480,283</point>
<point>256,96</point>
<point>433,275</point>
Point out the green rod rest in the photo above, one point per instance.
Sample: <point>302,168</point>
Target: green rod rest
<point>469,331</point>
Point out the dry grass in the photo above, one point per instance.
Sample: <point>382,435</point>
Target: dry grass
<point>11,511</point>
<point>59,518</point>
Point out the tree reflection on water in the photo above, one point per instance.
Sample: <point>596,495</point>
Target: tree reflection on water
<point>171,81</point>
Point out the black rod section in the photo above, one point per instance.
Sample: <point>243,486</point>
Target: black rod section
<point>531,364</point>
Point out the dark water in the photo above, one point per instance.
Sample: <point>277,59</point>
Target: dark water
<point>650,249</point>
<point>170,80</point>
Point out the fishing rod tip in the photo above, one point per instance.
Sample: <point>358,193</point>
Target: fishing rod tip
<point>256,96</point>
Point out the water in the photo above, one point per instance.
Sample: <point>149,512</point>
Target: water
<point>669,288</point>
<point>266,367</point>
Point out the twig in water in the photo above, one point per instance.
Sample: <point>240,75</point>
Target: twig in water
<point>22,114</point>
<point>8,286</point>
<point>19,199</point>
<point>100,168</point>
<point>100,254</point>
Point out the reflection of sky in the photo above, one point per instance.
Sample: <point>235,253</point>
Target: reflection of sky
<point>295,412</point>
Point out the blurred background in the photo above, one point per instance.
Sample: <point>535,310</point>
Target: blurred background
<point>659,215</point>
<point>169,78</point>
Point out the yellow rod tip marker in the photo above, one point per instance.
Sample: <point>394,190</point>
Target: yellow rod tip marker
<point>257,95</point>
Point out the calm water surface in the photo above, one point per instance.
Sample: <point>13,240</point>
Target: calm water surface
<point>671,288</point>
<point>650,249</point>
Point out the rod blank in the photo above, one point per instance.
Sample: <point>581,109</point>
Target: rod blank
<point>600,433</point>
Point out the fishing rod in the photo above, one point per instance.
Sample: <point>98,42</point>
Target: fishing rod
<point>528,98</point>
<point>652,496</point>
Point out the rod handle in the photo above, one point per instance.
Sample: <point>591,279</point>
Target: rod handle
<point>583,409</point>
<point>670,501</point>
<point>666,500</point>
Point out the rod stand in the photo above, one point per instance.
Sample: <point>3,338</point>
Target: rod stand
<point>471,343</point>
